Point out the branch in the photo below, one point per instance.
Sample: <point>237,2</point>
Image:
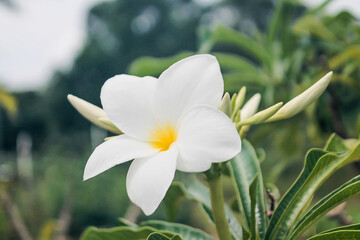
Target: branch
<point>14,215</point>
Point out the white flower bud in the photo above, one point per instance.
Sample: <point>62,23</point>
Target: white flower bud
<point>238,100</point>
<point>250,107</point>
<point>225,104</point>
<point>261,116</point>
<point>303,100</point>
<point>92,113</point>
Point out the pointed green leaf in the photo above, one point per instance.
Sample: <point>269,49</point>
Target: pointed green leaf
<point>329,202</point>
<point>151,66</point>
<point>310,24</point>
<point>351,52</point>
<point>245,167</point>
<point>320,7</point>
<point>186,232</point>
<point>236,79</point>
<point>338,235</point>
<point>222,34</point>
<point>158,236</point>
<point>253,194</point>
<point>177,237</point>
<point>349,227</point>
<point>335,144</point>
<point>117,233</point>
<point>235,62</point>
<point>319,165</point>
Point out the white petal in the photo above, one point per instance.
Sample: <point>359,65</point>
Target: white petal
<point>115,151</point>
<point>149,179</point>
<point>250,107</point>
<point>192,164</point>
<point>206,135</point>
<point>127,101</point>
<point>191,81</point>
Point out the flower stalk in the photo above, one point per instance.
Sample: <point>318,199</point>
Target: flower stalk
<point>217,202</point>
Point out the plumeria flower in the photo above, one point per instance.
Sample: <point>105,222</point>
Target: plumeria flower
<point>170,123</point>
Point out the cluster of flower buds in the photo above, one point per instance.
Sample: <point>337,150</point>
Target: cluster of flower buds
<point>245,115</point>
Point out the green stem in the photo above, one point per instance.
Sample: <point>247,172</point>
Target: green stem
<point>217,202</point>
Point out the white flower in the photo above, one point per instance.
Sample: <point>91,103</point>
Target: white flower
<point>169,123</point>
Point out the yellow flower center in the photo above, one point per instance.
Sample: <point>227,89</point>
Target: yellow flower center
<point>163,137</point>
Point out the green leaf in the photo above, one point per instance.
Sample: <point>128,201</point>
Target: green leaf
<point>222,34</point>
<point>351,52</point>
<point>161,236</point>
<point>151,66</point>
<point>235,80</point>
<point>152,230</point>
<point>319,165</point>
<point>349,227</point>
<point>177,237</point>
<point>158,236</point>
<point>253,194</point>
<point>186,232</point>
<point>320,7</point>
<point>340,195</point>
<point>310,24</point>
<point>275,20</point>
<point>245,167</point>
<point>338,235</point>
<point>117,233</point>
<point>229,61</point>
<point>335,144</point>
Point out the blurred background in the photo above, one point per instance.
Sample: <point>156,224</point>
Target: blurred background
<point>50,48</point>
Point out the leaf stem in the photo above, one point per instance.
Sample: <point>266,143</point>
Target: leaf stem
<point>217,202</point>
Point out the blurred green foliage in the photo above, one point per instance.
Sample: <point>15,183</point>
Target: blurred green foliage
<point>278,58</point>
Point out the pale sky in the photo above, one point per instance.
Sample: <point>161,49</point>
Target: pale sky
<point>38,37</point>
<point>335,6</point>
<point>42,36</point>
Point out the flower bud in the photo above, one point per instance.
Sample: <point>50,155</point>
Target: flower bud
<point>250,107</point>
<point>303,100</point>
<point>238,100</point>
<point>261,116</point>
<point>110,125</point>
<point>225,104</point>
<point>232,103</point>
<point>92,113</point>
